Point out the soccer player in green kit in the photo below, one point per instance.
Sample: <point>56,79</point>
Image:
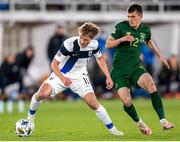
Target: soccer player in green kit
<point>128,70</point>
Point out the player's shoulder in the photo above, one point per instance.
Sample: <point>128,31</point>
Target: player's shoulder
<point>121,24</point>
<point>69,43</point>
<point>94,44</point>
<point>145,26</point>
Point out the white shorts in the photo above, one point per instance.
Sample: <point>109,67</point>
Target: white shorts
<point>80,84</point>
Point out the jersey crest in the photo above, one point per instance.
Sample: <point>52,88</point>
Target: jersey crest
<point>90,53</point>
<point>142,37</point>
<point>128,33</point>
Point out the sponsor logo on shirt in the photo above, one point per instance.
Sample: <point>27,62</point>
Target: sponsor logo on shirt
<point>75,54</point>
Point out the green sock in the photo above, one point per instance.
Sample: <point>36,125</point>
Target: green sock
<point>157,104</point>
<point>131,111</point>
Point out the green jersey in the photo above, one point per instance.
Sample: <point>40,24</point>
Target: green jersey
<point>127,54</point>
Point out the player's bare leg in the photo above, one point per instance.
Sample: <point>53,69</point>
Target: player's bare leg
<point>146,82</point>
<point>101,113</point>
<point>124,95</point>
<point>43,92</point>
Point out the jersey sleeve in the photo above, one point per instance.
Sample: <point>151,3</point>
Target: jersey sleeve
<point>63,52</point>
<point>59,56</point>
<point>115,33</point>
<point>97,52</point>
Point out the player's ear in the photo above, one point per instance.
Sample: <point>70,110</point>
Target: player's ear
<point>141,15</point>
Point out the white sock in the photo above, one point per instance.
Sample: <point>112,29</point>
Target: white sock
<point>10,106</point>
<point>104,117</point>
<point>162,120</point>
<point>21,106</point>
<point>33,106</point>
<point>1,106</point>
<point>139,122</point>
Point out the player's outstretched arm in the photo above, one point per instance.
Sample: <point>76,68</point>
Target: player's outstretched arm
<point>163,61</point>
<point>102,64</point>
<point>111,42</point>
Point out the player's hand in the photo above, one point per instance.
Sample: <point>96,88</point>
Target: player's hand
<point>66,81</point>
<point>164,62</point>
<point>128,38</point>
<point>109,83</point>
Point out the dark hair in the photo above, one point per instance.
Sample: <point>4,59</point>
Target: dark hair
<point>135,7</point>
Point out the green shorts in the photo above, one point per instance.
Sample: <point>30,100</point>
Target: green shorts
<point>129,79</point>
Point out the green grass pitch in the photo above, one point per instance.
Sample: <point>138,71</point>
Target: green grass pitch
<point>74,121</point>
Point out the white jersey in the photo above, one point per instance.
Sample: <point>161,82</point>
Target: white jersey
<point>73,59</point>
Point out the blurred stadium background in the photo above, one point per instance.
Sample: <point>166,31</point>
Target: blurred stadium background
<point>25,23</point>
<point>33,22</point>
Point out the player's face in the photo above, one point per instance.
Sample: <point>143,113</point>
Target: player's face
<point>134,19</point>
<point>84,41</point>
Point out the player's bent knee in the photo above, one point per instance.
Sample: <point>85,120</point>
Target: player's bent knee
<point>40,95</point>
<point>91,101</point>
<point>151,88</point>
<point>127,103</point>
<point>45,91</point>
<point>94,106</point>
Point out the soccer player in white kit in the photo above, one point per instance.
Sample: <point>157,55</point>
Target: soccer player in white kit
<point>69,71</point>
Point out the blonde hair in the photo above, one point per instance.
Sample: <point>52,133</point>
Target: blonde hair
<point>89,29</point>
